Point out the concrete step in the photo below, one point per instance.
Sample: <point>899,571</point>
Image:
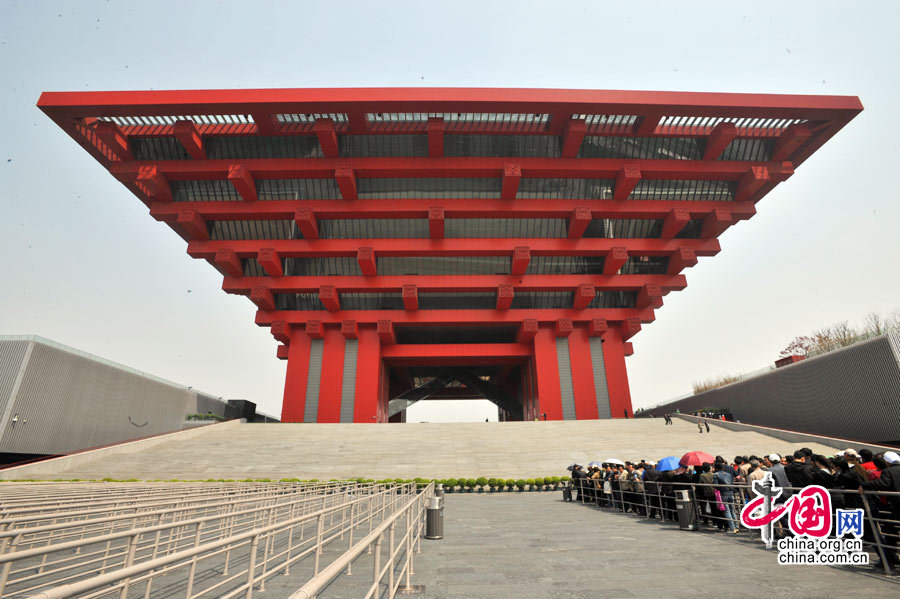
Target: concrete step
<point>430,450</point>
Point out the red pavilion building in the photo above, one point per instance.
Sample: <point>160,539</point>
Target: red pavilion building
<point>405,244</point>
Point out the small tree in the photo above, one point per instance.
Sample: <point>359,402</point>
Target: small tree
<point>520,483</point>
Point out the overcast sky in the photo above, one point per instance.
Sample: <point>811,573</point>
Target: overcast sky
<point>85,265</point>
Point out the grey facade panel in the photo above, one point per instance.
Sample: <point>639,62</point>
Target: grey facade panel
<point>566,389</point>
<point>852,393</point>
<point>67,401</point>
<point>348,384</point>
<point>601,390</point>
<point>13,354</point>
<point>313,379</point>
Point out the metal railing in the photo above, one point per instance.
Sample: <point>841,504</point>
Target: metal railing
<point>200,540</point>
<point>657,500</point>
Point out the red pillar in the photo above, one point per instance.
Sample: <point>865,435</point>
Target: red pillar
<point>297,373</point>
<point>368,376</point>
<point>332,375</point>
<point>582,373</point>
<point>546,373</point>
<point>616,376</point>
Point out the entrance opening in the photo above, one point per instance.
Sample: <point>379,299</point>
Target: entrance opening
<point>455,393</point>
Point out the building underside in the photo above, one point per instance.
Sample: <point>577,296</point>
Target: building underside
<point>407,244</point>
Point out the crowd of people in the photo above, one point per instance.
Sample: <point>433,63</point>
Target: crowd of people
<point>720,487</point>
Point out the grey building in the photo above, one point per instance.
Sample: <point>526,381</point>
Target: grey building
<point>55,399</point>
<point>852,392</point>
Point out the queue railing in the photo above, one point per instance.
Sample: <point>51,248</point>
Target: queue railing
<point>237,544</point>
<point>657,500</point>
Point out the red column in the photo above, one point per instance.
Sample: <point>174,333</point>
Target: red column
<point>368,376</point>
<point>546,373</point>
<point>616,377</point>
<point>582,373</point>
<point>295,380</point>
<point>332,375</point>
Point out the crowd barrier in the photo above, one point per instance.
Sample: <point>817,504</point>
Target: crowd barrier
<point>661,500</point>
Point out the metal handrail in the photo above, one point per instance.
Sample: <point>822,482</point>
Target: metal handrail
<point>372,501</point>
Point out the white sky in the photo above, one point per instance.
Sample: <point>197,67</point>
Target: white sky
<point>85,265</point>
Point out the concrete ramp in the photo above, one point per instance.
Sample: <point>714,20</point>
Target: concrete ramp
<point>498,449</point>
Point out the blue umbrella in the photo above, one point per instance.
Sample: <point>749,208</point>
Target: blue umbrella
<point>595,464</point>
<point>669,463</point>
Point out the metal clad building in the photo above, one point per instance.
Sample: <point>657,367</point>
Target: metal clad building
<point>55,399</point>
<point>852,392</point>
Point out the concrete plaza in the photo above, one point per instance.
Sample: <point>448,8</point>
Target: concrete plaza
<point>534,545</point>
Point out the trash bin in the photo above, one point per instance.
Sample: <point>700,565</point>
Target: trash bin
<point>434,518</point>
<point>684,507</point>
<point>567,492</point>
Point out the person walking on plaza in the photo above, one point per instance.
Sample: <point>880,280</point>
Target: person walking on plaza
<point>699,427</point>
<point>706,424</point>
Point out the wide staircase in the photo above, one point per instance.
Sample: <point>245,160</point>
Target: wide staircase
<point>323,451</point>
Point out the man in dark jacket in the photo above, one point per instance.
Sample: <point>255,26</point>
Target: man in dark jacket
<point>889,481</point>
<point>799,472</point>
<point>651,475</point>
<point>579,476</point>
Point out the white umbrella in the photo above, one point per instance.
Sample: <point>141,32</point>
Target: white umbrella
<point>615,461</point>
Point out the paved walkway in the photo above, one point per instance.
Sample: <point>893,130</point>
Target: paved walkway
<point>534,545</point>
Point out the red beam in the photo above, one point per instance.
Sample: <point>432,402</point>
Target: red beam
<point>186,132</point>
<point>649,296</point>
<point>436,222</point>
<point>751,183</point>
<point>512,174</point>
<point>626,179</point>
<point>629,348</point>
<point>435,130</point>
<point>315,329</point>
<point>270,260</point>
<point>647,124</point>
<point>584,295</point>
<point>453,208</point>
<point>615,259</point>
<point>681,259</point>
<point>480,167</point>
<point>263,298</point>
<point>227,261</point>
<point>193,224</point>
<point>579,221</point>
<point>456,283</point>
<point>327,136</point>
<point>457,351</point>
<point>453,317</point>
<point>281,331</point>
<point>349,329</point>
<point>573,134</point>
<point>722,135</point>
<point>346,180</point>
<point>563,327</point>
<point>528,328</point>
<point>793,137</point>
<point>715,223</point>
<point>329,297</point>
<point>240,177</point>
<point>115,139</point>
<point>307,223</point>
<point>410,298</point>
<point>505,295</point>
<point>265,124</point>
<point>520,259</point>
<point>597,326</point>
<point>385,330</point>
<point>630,327</point>
<point>365,256</point>
<point>302,248</point>
<point>674,222</point>
<point>155,183</point>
